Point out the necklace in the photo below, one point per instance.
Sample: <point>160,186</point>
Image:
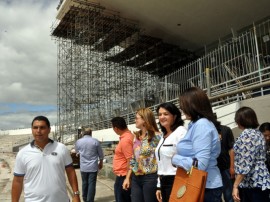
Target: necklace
<point>38,147</point>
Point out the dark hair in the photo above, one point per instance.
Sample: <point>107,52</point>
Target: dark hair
<point>41,118</point>
<point>119,122</point>
<point>195,103</point>
<point>265,126</point>
<point>246,117</point>
<point>175,112</point>
<point>87,131</point>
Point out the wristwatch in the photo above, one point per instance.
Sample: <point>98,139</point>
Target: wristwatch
<point>76,193</point>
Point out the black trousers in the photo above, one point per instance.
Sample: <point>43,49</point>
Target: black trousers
<point>166,182</point>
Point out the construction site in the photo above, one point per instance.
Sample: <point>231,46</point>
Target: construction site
<point>108,66</point>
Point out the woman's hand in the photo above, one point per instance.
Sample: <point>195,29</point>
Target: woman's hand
<point>158,195</point>
<point>126,184</point>
<point>235,194</point>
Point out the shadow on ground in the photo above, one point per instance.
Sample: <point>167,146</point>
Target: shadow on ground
<point>105,199</point>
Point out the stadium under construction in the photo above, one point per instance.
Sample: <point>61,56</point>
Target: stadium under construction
<point>108,66</point>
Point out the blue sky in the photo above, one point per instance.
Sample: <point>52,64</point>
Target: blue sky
<point>7,108</point>
<point>28,70</point>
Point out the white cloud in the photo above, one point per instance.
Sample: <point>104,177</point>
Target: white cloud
<point>15,87</point>
<point>28,67</point>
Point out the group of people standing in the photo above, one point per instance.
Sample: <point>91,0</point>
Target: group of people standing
<point>145,161</point>
<point>149,158</point>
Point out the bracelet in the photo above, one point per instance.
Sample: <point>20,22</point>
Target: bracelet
<point>76,193</point>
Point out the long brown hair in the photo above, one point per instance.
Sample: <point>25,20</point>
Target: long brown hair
<point>150,123</point>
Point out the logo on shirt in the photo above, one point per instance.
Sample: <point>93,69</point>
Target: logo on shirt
<point>54,153</point>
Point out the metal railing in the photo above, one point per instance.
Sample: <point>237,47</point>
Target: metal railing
<point>239,63</point>
<point>237,69</point>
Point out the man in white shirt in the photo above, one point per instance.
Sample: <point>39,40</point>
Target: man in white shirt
<point>40,168</point>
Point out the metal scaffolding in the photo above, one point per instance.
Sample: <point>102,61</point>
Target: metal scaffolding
<point>106,66</point>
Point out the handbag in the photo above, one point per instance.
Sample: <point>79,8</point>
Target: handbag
<point>189,186</point>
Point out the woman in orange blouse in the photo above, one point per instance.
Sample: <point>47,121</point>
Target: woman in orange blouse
<point>143,165</point>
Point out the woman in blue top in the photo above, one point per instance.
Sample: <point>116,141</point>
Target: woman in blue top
<point>201,141</point>
<point>252,182</point>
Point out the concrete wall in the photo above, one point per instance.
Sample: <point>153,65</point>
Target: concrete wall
<point>261,106</point>
<point>24,131</point>
<point>109,134</point>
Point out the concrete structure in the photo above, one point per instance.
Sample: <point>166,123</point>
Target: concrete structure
<point>190,24</point>
<point>114,58</point>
